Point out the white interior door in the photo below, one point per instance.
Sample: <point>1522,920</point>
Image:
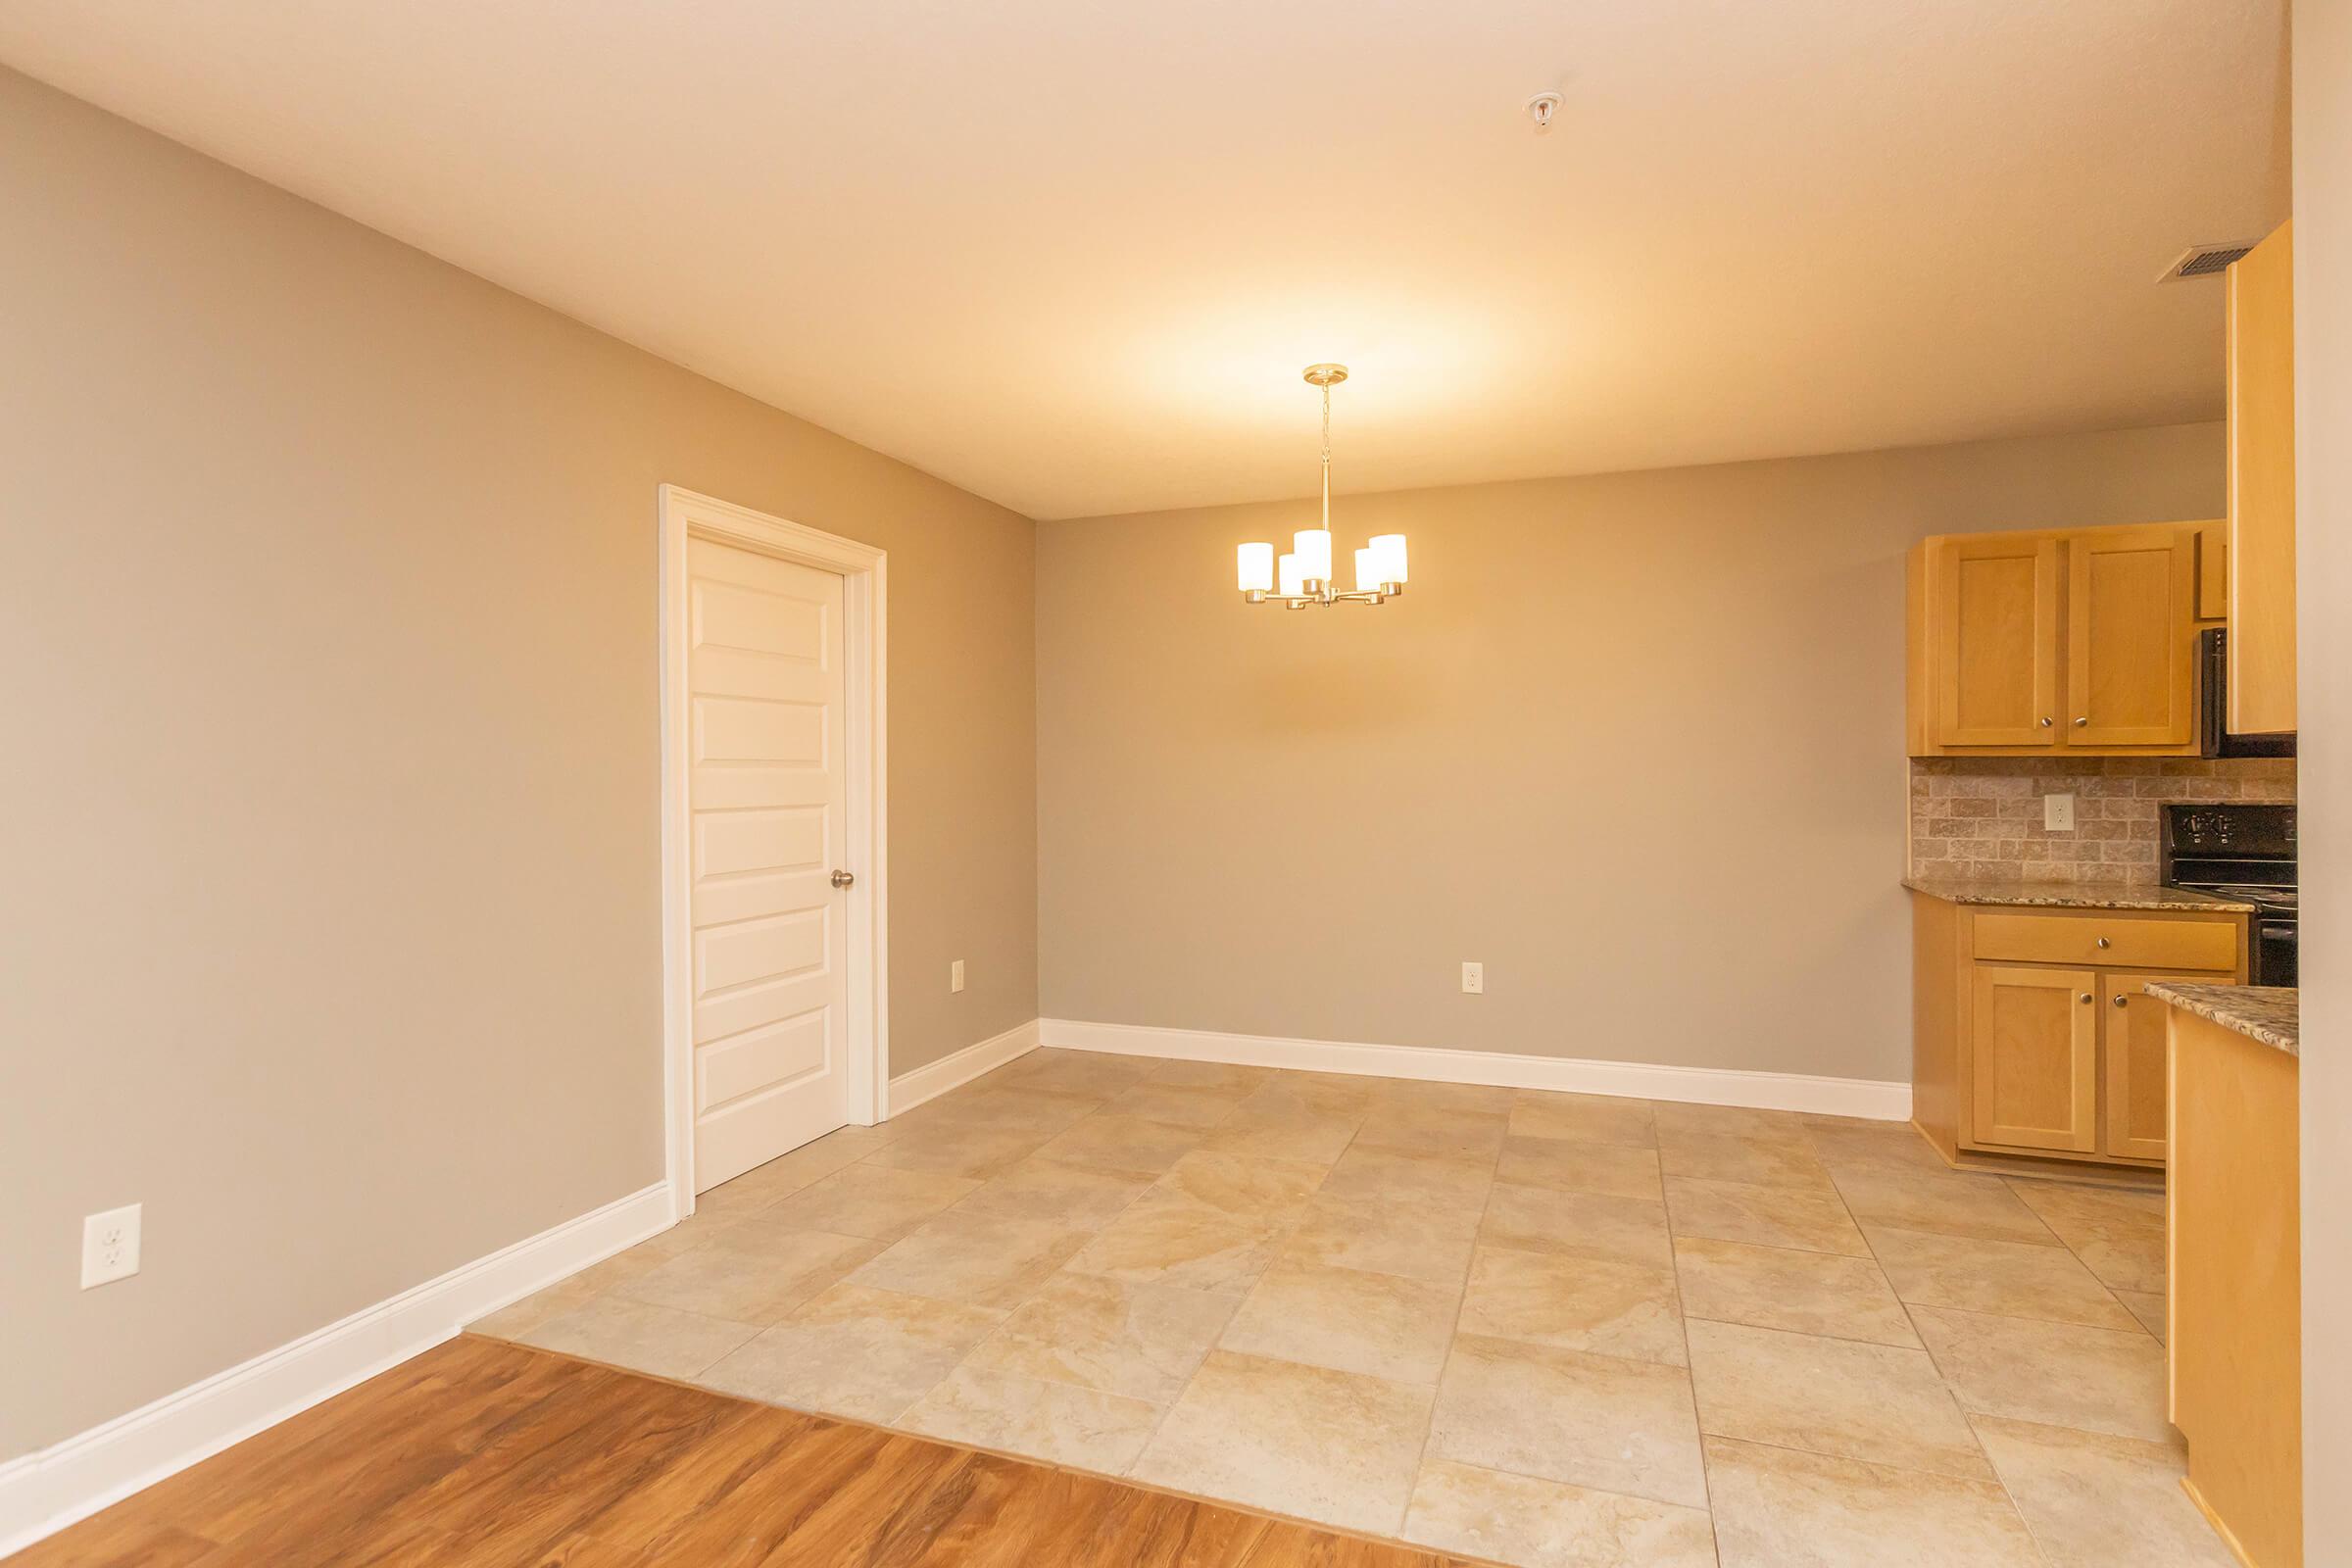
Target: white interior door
<point>766,799</point>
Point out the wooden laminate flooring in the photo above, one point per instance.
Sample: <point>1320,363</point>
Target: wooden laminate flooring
<point>494,1455</point>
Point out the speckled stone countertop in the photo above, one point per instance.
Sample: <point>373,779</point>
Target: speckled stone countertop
<point>2260,1013</point>
<point>2021,894</point>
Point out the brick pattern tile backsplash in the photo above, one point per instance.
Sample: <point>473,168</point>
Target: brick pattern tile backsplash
<point>1981,816</point>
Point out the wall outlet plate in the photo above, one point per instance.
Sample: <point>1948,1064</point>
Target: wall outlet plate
<point>1474,979</point>
<point>2058,813</point>
<point>110,1245</point>
<point>955,975</point>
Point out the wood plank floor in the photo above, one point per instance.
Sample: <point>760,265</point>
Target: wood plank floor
<point>493,1455</point>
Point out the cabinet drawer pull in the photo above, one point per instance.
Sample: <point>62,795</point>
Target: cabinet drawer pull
<point>2104,943</point>
<point>2121,1000</point>
<point>2047,722</point>
<point>2086,998</point>
<point>2081,723</point>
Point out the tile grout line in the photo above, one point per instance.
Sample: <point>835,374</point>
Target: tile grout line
<point>1453,1332</point>
<point>2114,1292</point>
<point>1905,1301</point>
<point>1967,1417</point>
<point>1674,1255</point>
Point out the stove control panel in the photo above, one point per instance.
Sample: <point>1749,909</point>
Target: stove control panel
<point>2252,832</point>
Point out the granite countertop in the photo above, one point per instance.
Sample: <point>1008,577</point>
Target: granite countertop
<point>2261,1013</point>
<point>2019,893</point>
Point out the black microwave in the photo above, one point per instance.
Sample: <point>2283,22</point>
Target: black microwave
<point>2213,706</point>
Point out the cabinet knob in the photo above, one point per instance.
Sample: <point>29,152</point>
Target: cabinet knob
<point>2122,1001</point>
<point>2047,722</point>
<point>2104,943</point>
<point>2087,998</point>
<point>2081,723</point>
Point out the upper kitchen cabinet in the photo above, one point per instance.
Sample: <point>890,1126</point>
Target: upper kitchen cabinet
<point>2083,641</point>
<point>2131,637</point>
<point>1992,628</point>
<point>2261,488</point>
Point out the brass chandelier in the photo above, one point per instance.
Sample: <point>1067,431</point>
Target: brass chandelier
<point>1303,576</point>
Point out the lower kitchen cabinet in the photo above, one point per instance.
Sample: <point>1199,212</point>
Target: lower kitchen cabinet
<point>2134,1056</point>
<point>2033,1058</point>
<point>2022,1048</point>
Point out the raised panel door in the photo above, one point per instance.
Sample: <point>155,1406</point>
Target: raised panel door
<point>767,792</point>
<point>2034,1050</point>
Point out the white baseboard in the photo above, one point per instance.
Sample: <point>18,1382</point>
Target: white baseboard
<point>911,1088</point>
<point>1875,1098</point>
<point>43,1492</point>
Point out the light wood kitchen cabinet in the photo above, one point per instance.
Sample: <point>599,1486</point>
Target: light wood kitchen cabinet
<point>2030,1038</point>
<point>2033,1058</point>
<point>2080,641</point>
<point>2213,572</point>
<point>1995,629</point>
<point>2131,637</point>
<point>2136,1068</point>
<point>2233,1287</point>
<point>2262,487</point>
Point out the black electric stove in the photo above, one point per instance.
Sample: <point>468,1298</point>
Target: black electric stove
<point>2245,853</point>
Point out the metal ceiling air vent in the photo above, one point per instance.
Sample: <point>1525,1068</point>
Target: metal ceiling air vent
<point>2205,261</point>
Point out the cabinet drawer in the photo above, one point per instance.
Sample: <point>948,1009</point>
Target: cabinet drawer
<point>2107,941</point>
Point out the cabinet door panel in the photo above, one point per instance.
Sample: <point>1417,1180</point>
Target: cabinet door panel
<point>1995,620</point>
<point>2133,1052</point>
<point>2132,630</point>
<point>2262,487</point>
<point>2034,1050</point>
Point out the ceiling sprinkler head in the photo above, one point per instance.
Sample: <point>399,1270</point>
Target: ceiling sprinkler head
<point>1540,108</point>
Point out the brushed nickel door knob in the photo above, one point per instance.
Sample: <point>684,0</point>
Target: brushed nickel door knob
<point>841,879</point>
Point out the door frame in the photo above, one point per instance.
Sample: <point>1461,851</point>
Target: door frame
<point>864,573</point>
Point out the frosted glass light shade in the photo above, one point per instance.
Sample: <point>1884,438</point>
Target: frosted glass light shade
<point>1388,554</point>
<point>1314,546</point>
<point>1292,584</point>
<point>1367,570</point>
<point>1256,563</point>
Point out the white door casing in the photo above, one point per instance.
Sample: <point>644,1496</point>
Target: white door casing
<point>776,1018</point>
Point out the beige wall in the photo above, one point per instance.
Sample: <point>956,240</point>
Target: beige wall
<point>328,818</point>
<point>1634,742</point>
<point>2323,591</point>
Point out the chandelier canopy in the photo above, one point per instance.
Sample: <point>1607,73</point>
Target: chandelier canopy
<point>1303,576</point>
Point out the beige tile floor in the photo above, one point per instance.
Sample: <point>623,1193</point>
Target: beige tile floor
<point>1543,1328</point>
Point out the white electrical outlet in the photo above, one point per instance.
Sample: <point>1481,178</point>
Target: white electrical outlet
<point>110,1245</point>
<point>955,975</point>
<point>2058,813</point>
<point>1474,979</point>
